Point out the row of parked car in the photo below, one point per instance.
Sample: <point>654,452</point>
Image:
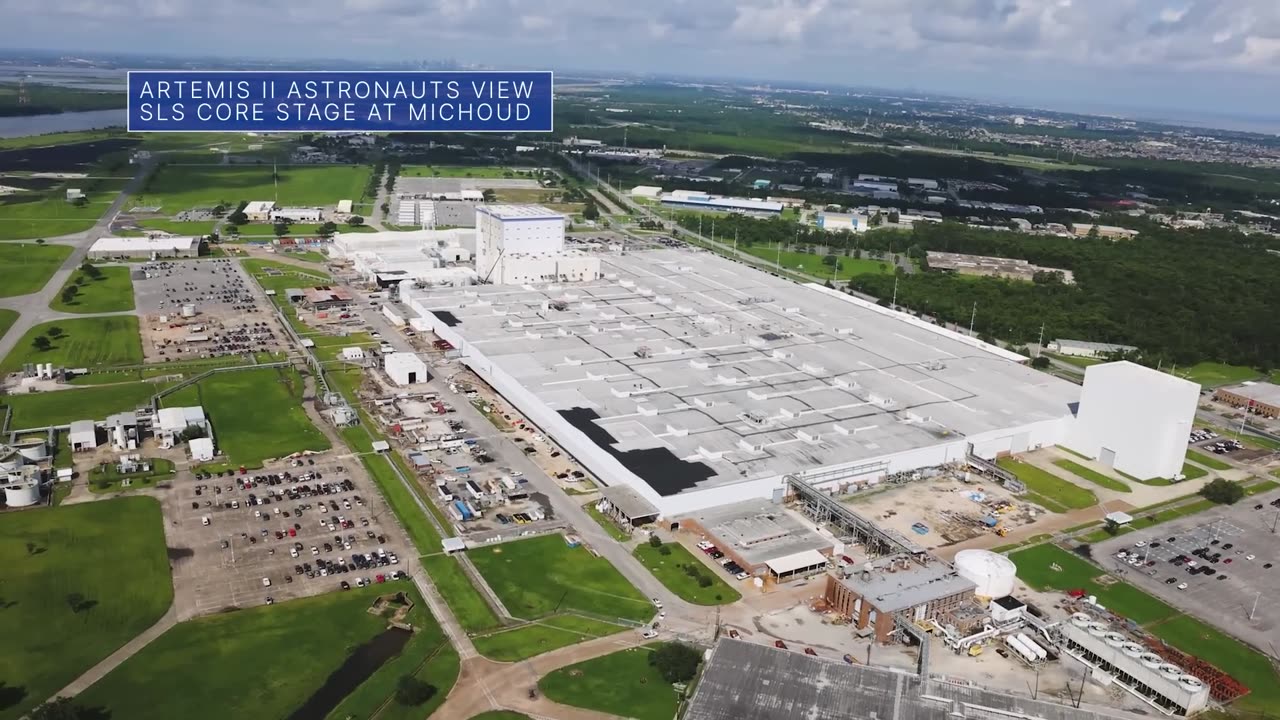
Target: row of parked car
<point>729,565</point>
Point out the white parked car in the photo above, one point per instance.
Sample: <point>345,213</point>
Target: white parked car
<point>1182,586</point>
<point>1140,543</point>
<point>266,582</point>
<point>1249,557</point>
<point>657,603</point>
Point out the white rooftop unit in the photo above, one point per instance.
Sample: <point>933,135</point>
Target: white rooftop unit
<point>405,368</point>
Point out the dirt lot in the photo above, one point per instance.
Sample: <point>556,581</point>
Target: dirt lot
<point>943,504</point>
<point>209,578</point>
<point>229,312</point>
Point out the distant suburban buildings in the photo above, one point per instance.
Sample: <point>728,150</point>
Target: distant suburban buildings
<point>991,266</point>
<point>835,222</point>
<point>259,210</point>
<point>1110,232</point>
<point>298,215</point>
<point>695,200</point>
<point>646,191</point>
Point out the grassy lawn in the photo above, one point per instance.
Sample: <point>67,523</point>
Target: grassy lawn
<point>670,571</point>
<point>112,291</point>
<point>272,652</point>
<point>1193,472</point>
<point>180,187</point>
<point>543,575</point>
<point>542,636</point>
<point>85,342</point>
<point>812,264</point>
<point>1060,494</point>
<point>1035,569</point>
<point>108,479</point>
<point>298,229</point>
<point>1145,519</point>
<point>26,267</point>
<point>463,599</point>
<point>28,216</point>
<point>175,227</point>
<point>1092,476</point>
<point>7,319</point>
<point>500,715</point>
<point>61,407</point>
<point>1211,374</point>
<point>111,554</point>
<point>159,370</point>
<point>1207,461</point>
<point>609,526</point>
<point>622,683</point>
<point>277,425</point>
<point>486,171</point>
<point>420,530</point>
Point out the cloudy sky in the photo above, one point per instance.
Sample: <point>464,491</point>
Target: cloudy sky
<point>1200,56</point>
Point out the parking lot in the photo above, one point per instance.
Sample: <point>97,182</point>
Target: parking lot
<point>324,511</point>
<point>230,318</point>
<point>1236,541</point>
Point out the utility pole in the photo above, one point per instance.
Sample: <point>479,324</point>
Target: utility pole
<point>973,318</point>
<point>894,303</point>
<point>1274,520</point>
<point>735,242</point>
<point>1255,604</point>
<point>778,261</point>
<point>1040,342</point>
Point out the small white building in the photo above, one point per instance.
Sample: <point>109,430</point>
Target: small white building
<point>83,436</point>
<point>1084,348</point>
<point>297,214</point>
<point>202,449</point>
<point>74,194</point>
<point>405,368</point>
<point>171,423</point>
<point>646,191</point>
<point>1134,419</point>
<point>259,210</point>
<point>353,353</point>
<point>159,246</point>
<point>344,206</point>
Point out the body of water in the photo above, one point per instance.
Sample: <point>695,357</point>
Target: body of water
<point>22,126</point>
<point>361,663</point>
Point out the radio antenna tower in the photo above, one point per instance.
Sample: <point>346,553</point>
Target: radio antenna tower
<point>23,97</point>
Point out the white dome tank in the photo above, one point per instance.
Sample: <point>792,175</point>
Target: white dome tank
<point>1131,649</point>
<point>1081,620</point>
<point>992,573</point>
<point>1150,660</point>
<point>1114,639</point>
<point>1097,629</point>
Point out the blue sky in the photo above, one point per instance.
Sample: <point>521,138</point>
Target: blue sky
<point>1212,56</point>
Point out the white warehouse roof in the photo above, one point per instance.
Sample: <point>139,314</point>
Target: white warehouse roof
<point>178,418</point>
<point>520,212</point>
<point>156,244</point>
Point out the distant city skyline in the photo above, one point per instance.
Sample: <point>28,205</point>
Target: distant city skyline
<point>1183,60</point>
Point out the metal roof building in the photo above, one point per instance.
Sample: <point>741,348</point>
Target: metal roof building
<point>144,247</point>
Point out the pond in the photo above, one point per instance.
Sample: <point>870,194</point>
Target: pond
<point>363,662</point>
<point>21,126</point>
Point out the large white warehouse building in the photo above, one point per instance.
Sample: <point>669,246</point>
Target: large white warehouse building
<point>699,382</point>
<point>1135,419</point>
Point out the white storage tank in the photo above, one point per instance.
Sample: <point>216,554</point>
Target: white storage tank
<point>991,572</point>
<point>22,494</point>
<point>10,459</point>
<point>33,449</point>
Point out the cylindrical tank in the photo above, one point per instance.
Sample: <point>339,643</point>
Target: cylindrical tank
<point>188,311</point>
<point>22,495</point>
<point>1131,649</point>
<point>1097,629</point>
<point>1016,645</point>
<point>1150,660</point>
<point>10,459</point>
<point>992,573</point>
<point>1114,639</point>
<point>1033,646</point>
<point>33,449</point>
<point>1081,620</point>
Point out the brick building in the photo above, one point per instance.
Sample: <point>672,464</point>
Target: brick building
<point>1259,398</point>
<point>918,588</point>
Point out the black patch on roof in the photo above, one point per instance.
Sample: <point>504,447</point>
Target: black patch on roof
<point>658,467</point>
<point>446,317</point>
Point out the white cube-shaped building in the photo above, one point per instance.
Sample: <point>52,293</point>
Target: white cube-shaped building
<point>405,368</point>
<point>1134,419</point>
<point>202,449</point>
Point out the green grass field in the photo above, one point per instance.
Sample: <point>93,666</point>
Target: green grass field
<point>543,575</point>
<point>609,526</point>
<point>1211,374</point>
<point>297,229</point>
<point>112,291</point>
<point>812,264</point>
<point>179,187</point>
<point>1092,476</point>
<point>542,636</point>
<point>176,227</point>
<point>29,216</point>
<point>464,171</point>
<point>1244,664</point>
<point>1035,569</point>
<point>1193,472</point>
<point>670,571</point>
<point>622,683</point>
<point>108,479</point>
<point>183,369</point>
<point>277,425</point>
<point>1054,493</point>
<point>500,715</point>
<point>7,319</point>
<point>272,653</point>
<point>463,599</point>
<point>79,582</point>
<point>27,267</point>
<point>85,342</point>
<point>1207,460</point>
